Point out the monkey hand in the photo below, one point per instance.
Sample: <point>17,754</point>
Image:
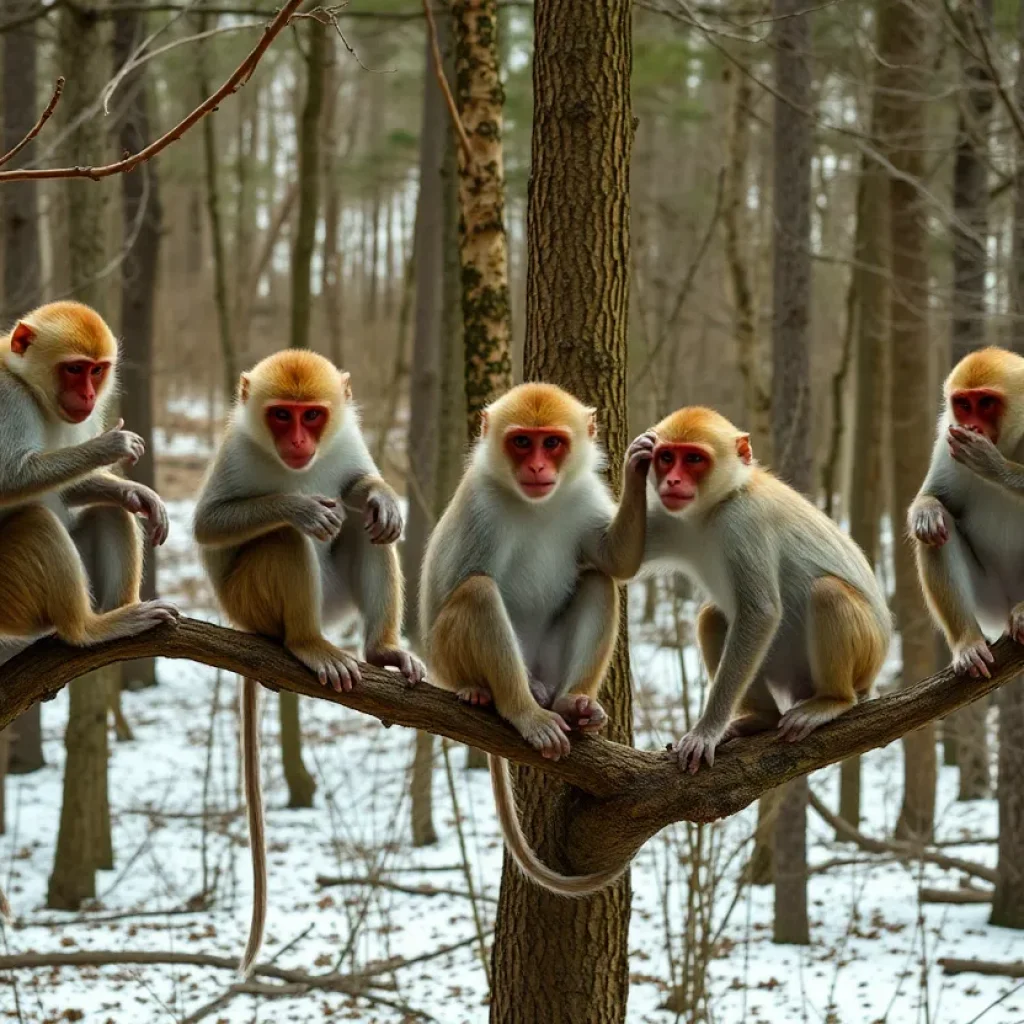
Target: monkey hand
<point>640,454</point>
<point>144,502</point>
<point>700,742</point>
<point>1015,631</point>
<point>976,452</point>
<point>382,518</point>
<point>928,522</point>
<point>118,445</point>
<point>408,664</point>
<point>317,516</point>
<point>972,658</point>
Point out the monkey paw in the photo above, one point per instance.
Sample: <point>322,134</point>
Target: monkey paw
<point>138,618</point>
<point>697,744</point>
<point>332,666</point>
<point>478,696</point>
<point>408,664</point>
<point>928,523</point>
<point>1016,628</point>
<point>973,658</point>
<point>640,453</point>
<point>581,712</point>
<point>382,519</point>
<point>545,731</point>
<point>974,451</point>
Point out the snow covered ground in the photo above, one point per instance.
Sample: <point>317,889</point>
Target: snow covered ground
<point>178,830</point>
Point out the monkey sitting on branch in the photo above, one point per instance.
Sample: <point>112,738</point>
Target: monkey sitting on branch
<point>797,627</point>
<point>284,557</point>
<point>519,602</point>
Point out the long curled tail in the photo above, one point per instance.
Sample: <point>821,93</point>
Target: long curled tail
<point>529,863</point>
<point>250,728</point>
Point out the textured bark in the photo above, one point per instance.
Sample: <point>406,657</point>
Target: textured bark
<point>1017,274</point>
<point>791,384</point>
<point>622,796</point>
<point>22,284</point>
<point>1008,898</point>
<point>969,229</point>
<point>309,183</point>
<point>903,77</point>
<point>83,842</point>
<point>141,228</point>
<point>557,959</point>
<point>871,286</point>
<point>483,247</point>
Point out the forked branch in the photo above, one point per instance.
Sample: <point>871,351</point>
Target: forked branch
<point>629,795</point>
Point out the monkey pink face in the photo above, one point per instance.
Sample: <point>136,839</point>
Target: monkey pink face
<point>980,410</point>
<point>679,469</point>
<point>296,428</point>
<point>537,454</point>
<point>79,383</point>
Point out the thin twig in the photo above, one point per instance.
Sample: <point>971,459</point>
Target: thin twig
<point>58,88</point>
<point>324,881</point>
<point>442,81</point>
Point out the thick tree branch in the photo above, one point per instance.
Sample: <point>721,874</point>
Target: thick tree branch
<point>624,796</point>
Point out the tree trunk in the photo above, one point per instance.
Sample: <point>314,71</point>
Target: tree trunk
<point>483,247</point>
<point>83,842</point>
<point>969,229</point>
<point>301,785</point>
<point>141,228</point>
<point>19,208</point>
<point>556,959</point>
<point>309,183</point>
<point>903,75</point>
<point>791,384</point>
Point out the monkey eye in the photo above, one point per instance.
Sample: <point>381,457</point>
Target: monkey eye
<point>667,458</point>
<point>694,458</point>
<point>281,414</point>
<point>521,441</point>
<point>552,442</point>
<point>986,402</point>
<point>96,370</point>
<point>963,404</point>
<point>75,368</point>
<point>312,415</point>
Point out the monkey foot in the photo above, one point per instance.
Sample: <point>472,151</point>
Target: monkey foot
<point>408,664</point>
<point>545,731</point>
<point>802,719</point>
<point>1016,627</point>
<point>695,746</point>
<point>581,712</point>
<point>332,666</point>
<point>479,696</point>
<point>928,524</point>
<point>138,618</point>
<point>973,659</point>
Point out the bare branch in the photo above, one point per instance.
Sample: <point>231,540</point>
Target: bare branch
<point>58,88</point>
<point>625,795</point>
<point>238,78</point>
<point>442,82</point>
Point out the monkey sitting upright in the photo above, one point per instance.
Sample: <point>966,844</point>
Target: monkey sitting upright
<point>797,627</point>
<point>967,516</point>
<point>282,555</point>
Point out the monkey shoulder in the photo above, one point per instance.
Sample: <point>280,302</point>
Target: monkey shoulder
<point>22,425</point>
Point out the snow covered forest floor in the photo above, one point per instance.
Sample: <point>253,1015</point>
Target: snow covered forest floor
<point>179,832</point>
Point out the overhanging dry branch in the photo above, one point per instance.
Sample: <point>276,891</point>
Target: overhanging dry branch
<point>624,795</point>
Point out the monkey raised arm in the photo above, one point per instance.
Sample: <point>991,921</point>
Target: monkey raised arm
<point>618,549</point>
<point>978,454</point>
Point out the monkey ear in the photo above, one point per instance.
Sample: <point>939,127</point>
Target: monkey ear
<point>21,337</point>
<point>484,423</point>
<point>591,422</point>
<point>243,387</point>
<point>346,384</point>
<point>743,449</point>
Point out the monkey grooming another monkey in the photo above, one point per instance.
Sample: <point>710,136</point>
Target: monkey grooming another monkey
<point>68,534</point>
<point>519,604</point>
<point>797,627</point>
<point>282,555</point>
<point>966,517</point>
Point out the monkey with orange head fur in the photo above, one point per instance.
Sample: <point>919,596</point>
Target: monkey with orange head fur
<point>284,557</point>
<point>797,627</point>
<point>966,517</point>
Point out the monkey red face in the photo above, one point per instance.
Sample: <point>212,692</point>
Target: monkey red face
<point>679,469</point>
<point>537,454</point>
<point>79,383</point>
<point>980,410</point>
<point>296,428</point>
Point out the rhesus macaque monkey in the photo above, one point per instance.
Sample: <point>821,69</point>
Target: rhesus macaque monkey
<point>966,518</point>
<point>797,627</point>
<point>284,558</point>
<point>68,535</point>
<point>518,602</point>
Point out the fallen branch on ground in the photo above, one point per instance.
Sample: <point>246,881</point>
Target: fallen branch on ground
<point>328,881</point>
<point>624,796</point>
<point>904,850</point>
<point>955,896</point>
<point>950,965</point>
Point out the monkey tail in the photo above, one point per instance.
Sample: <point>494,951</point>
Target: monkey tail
<point>529,863</point>
<point>250,727</point>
